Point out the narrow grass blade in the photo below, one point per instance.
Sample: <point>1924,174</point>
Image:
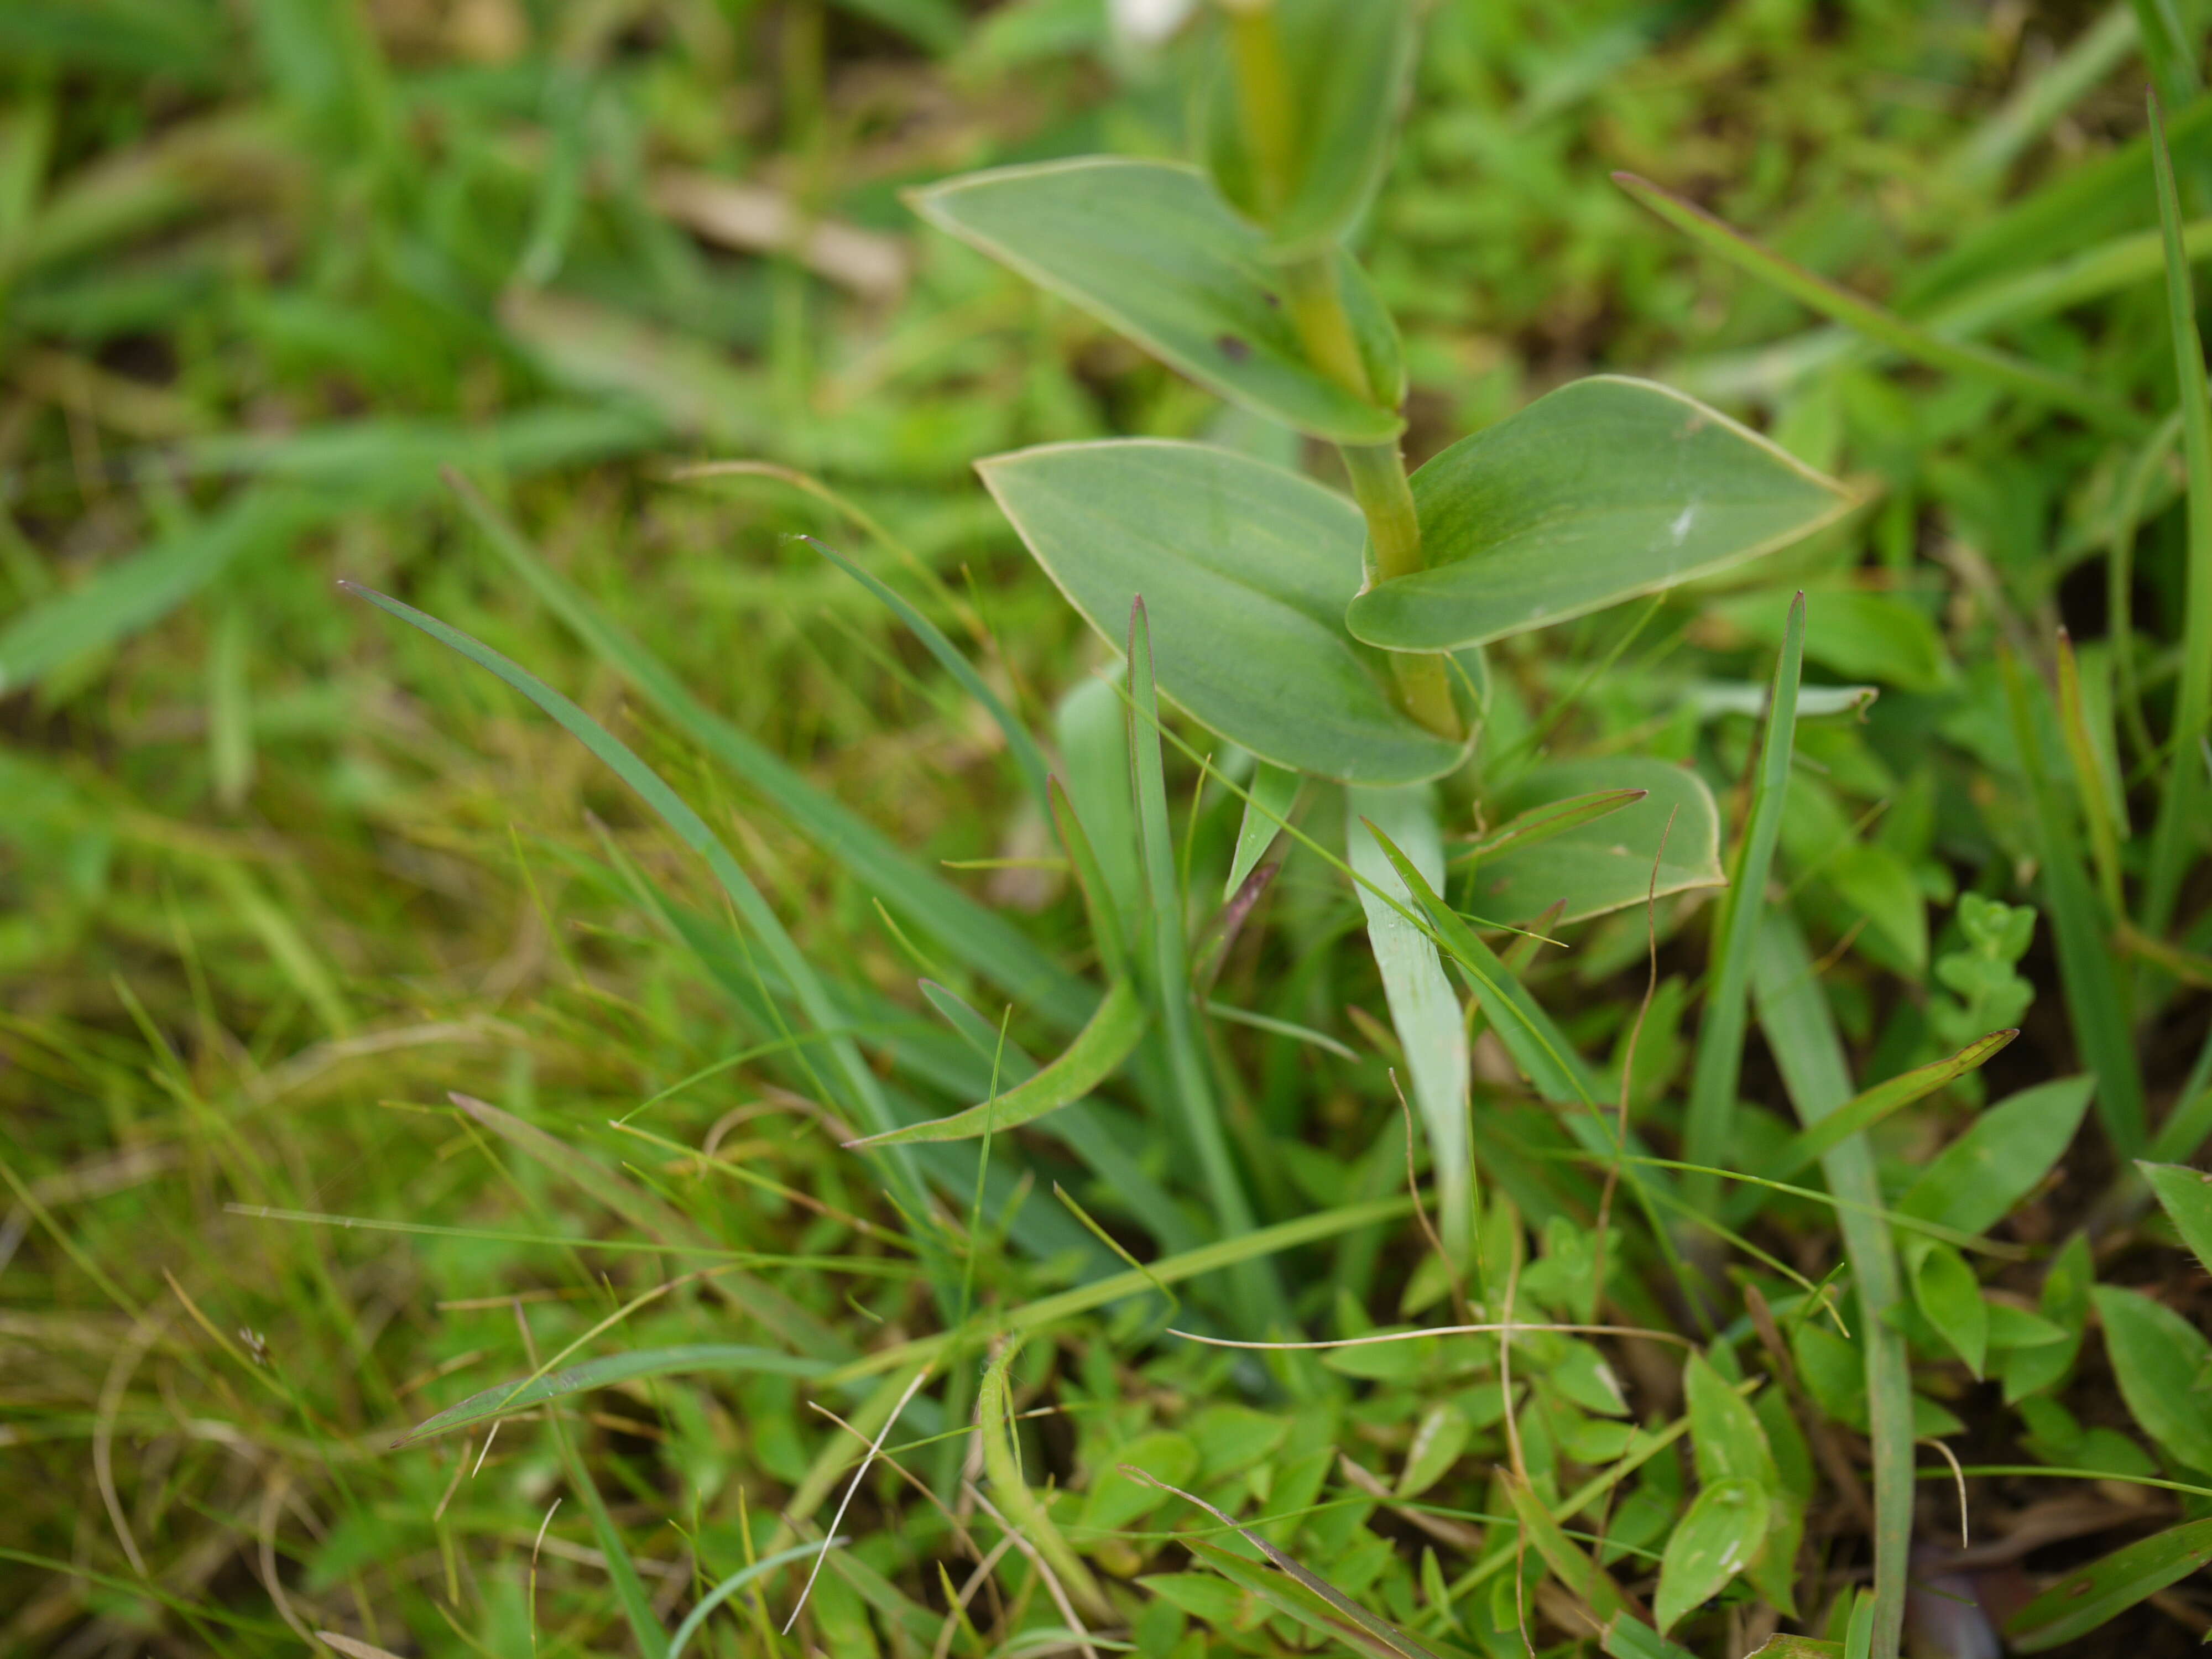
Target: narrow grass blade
<point>2082,1600</point>
<point>629,1590</point>
<point>1864,1110</point>
<point>2095,1002</point>
<point>1027,756</point>
<point>1098,903</point>
<point>1086,1135</point>
<point>1275,792</point>
<point>1801,1032</point>
<point>736,1582</point>
<point>1100,1046</point>
<point>978,937</point>
<point>1908,338</point>
<point>510,1397</point>
<point>1709,1137</point>
<point>2104,823</point>
<point>1537,1045</point>
<point>1222,1255</point>
<point>138,591</point>
<point>1539,823</point>
<point>861,1092</point>
<point>1187,1056</point>
<point>2182,811</point>
<point>1423,1008</point>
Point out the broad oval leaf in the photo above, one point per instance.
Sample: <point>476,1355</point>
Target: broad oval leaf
<point>2164,1366</point>
<point>1721,1536</point>
<point>1605,863</point>
<point>2186,1194</point>
<point>1604,490</point>
<point>1349,67</point>
<point>1244,569</point>
<point>1098,1048</point>
<point>523,1394</point>
<point>1149,248</point>
<point>2083,1600</point>
<point>1946,1291</point>
<point>1975,1181</point>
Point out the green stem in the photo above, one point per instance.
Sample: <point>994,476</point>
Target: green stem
<point>1316,303</point>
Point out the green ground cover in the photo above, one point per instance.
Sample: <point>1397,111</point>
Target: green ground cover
<point>430,1223</point>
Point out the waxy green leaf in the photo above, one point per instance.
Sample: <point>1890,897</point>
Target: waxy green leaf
<point>1606,488</point>
<point>2083,1600</point>
<point>1345,73</point>
<point>1244,570</point>
<point>1423,1007</point>
<point>1606,862</point>
<point>1150,249</point>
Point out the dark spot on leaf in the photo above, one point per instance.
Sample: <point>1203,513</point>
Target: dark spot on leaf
<point>2080,1589</point>
<point>1235,349</point>
<point>1275,301</point>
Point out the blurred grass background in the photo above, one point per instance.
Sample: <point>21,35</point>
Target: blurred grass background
<point>273,877</point>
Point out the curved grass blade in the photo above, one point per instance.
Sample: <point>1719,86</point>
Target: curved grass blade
<point>861,1093</point>
<point>1864,1110</point>
<point>1086,1135</point>
<point>1027,756</point>
<point>2101,1591</point>
<point>1709,1124</point>
<point>1100,1046</point>
<point>1910,339</point>
<point>510,1397</point>
<point>979,938</point>
<point>736,1582</point>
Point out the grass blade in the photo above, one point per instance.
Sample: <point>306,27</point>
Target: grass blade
<point>861,1093</point>
<point>1794,1014</point>
<point>1910,339</point>
<point>2101,1591</point>
<point>1708,1136</point>
<point>2095,1003</point>
<point>1100,1046</point>
<point>1027,756</point>
<point>1187,1057</point>
<point>2181,811</point>
<point>1864,1110</point>
<point>1267,809</point>
<point>979,938</point>
<point>510,1397</point>
<point>1423,1007</point>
